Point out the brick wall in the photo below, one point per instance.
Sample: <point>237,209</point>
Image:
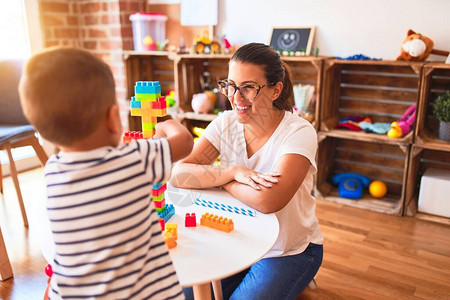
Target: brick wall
<point>101,26</point>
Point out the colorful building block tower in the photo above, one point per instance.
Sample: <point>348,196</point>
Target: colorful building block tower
<point>148,104</point>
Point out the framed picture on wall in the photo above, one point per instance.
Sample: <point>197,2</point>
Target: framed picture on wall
<point>293,39</point>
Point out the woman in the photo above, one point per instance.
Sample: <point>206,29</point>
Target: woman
<point>267,161</point>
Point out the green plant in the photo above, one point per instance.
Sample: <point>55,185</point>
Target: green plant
<point>441,107</point>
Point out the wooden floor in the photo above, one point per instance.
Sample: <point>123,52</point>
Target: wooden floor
<point>366,255</point>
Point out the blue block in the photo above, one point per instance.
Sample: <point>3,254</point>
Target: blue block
<point>135,104</point>
<point>157,186</point>
<point>167,213</point>
<point>147,87</point>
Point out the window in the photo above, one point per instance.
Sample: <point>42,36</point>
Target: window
<point>14,36</point>
<point>19,35</point>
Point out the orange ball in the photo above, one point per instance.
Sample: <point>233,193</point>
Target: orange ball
<point>377,189</point>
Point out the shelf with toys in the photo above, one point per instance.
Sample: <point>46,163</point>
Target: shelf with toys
<point>435,82</point>
<point>363,99</point>
<point>194,78</point>
<point>430,152</point>
<point>347,167</point>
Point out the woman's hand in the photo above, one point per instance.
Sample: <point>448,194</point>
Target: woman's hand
<point>255,179</point>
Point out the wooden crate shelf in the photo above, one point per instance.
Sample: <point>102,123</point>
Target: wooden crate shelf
<point>378,161</point>
<point>435,81</point>
<point>381,90</point>
<point>422,158</point>
<point>148,66</point>
<point>307,70</point>
<point>197,72</point>
<point>189,74</point>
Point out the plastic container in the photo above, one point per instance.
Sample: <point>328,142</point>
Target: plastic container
<point>149,30</point>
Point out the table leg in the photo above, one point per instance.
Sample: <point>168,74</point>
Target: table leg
<point>5,265</point>
<point>217,288</point>
<point>202,291</point>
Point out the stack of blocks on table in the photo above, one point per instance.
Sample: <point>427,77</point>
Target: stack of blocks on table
<point>165,211</point>
<point>148,104</point>
<point>170,235</point>
<point>217,222</point>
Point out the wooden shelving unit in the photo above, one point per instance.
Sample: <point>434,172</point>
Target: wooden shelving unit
<point>435,81</point>
<point>374,159</point>
<point>189,74</point>
<point>427,151</point>
<point>381,90</point>
<point>421,159</point>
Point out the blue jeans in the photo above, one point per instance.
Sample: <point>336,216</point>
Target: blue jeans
<point>273,278</point>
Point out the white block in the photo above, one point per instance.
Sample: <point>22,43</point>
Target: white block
<point>434,194</point>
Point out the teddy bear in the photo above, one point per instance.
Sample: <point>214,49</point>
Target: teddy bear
<point>415,47</point>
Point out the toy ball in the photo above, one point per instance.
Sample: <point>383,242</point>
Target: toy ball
<point>377,189</point>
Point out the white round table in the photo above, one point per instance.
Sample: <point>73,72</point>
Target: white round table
<point>204,255</point>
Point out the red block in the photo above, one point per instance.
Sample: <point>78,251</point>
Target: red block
<point>190,220</point>
<point>160,204</point>
<point>161,222</point>
<point>159,191</point>
<point>162,102</point>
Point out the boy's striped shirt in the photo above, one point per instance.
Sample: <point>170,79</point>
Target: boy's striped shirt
<point>107,236</point>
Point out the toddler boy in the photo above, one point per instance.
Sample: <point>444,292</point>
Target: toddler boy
<point>108,240</point>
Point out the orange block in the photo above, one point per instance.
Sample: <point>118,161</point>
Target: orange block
<point>172,228</point>
<point>217,222</point>
<point>170,240</point>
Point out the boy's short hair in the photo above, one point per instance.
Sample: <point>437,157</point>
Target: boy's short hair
<point>65,93</point>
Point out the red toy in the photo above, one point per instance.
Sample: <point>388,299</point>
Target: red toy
<point>190,220</point>
<point>162,223</point>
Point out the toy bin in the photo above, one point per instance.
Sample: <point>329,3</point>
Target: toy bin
<point>149,30</point>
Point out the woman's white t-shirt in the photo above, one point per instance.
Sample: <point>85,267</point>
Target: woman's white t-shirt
<point>294,135</point>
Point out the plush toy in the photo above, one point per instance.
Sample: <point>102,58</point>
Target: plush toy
<point>403,126</point>
<point>417,47</point>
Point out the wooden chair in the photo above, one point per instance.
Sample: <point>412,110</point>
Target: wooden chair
<point>15,130</point>
<point>13,137</point>
<point>5,265</point>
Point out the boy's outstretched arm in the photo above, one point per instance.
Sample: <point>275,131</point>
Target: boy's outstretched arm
<point>179,138</point>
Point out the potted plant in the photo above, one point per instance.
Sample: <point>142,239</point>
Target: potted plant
<point>441,109</point>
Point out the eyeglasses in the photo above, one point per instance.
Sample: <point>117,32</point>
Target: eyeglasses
<point>247,91</point>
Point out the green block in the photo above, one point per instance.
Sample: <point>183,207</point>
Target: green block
<point>158,198</point>
<point>148,126</point>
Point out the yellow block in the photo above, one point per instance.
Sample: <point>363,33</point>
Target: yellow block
<point>136,112</point>
<point>148,134</point>
<point>146,104</point>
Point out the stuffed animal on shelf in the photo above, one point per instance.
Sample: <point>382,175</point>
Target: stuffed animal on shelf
<point>417,47</point>
<point>403,126</point>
